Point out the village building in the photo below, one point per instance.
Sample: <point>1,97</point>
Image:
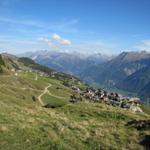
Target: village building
<point>110,98</point>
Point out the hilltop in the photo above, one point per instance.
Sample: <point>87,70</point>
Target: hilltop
<point>37,113</point>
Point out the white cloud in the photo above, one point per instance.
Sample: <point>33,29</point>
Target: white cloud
<point>56,37</point>
<point>144,45</point>
<point>56,41</point>
<point>48,42</point>
<point>65,42</point>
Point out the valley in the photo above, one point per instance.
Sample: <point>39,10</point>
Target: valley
<point>74,75</point>
<point>127,72</point>
<point>38,114</point>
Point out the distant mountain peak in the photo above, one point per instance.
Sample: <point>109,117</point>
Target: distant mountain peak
<point>133,56</point>
<point>72,62</point>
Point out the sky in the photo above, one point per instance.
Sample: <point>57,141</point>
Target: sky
<point>87,26</point>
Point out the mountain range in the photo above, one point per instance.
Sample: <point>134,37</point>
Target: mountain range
<point>73,62</point>
<point>128,71</point>
<point>41,108</point>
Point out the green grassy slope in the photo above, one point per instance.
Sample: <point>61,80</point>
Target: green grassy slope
<point>26,125</point>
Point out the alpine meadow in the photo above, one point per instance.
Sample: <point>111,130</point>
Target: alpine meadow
<point>74,75</point>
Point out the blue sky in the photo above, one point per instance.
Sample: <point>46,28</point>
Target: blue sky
<point>107,26</point>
